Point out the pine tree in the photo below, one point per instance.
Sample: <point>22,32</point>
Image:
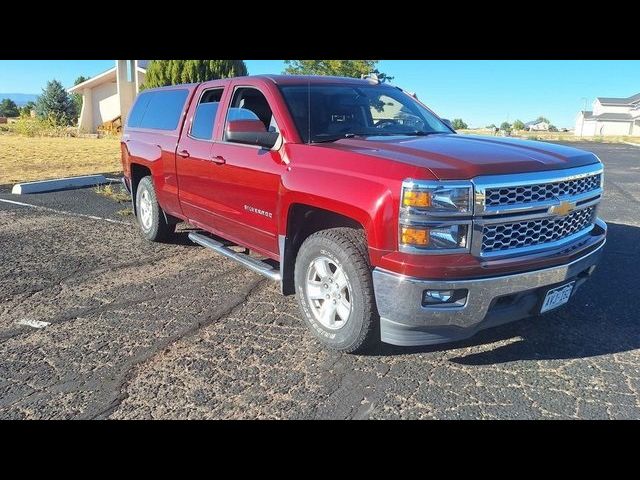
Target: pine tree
<point>56,105</point>
<point>8,108</point>
<point>173,72</point>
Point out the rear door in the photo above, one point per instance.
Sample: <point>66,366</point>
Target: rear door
<point>195,165</point>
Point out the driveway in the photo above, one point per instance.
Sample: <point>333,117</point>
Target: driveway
<point>140,330</point>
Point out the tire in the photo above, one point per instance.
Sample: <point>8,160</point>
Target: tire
<point>151,218</point>
<point>319,262</point>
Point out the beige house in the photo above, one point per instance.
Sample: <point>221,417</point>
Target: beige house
<point>610,116</point>
<point>108,96</point>
<point>535,126</point>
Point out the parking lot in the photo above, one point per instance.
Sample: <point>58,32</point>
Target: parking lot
<point>97,323</point>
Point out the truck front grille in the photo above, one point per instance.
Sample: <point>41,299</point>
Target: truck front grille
<point>540,192</point>
<point>527,233</point>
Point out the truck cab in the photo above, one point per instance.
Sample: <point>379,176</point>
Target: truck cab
<point>384,222</point>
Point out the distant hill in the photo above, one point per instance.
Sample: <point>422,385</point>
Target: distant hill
<point>20,98</point>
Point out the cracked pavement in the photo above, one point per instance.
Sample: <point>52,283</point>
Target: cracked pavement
<point>140,330</point>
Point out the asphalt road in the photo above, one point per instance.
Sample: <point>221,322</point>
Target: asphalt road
<point>140,330</point>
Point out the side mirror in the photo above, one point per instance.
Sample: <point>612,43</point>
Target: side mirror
<point>447,122</point>
<point>251,132</point>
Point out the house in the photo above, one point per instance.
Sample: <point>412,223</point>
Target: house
<point>536,126</point>
<point>109,95</point>
<point>610,116</point>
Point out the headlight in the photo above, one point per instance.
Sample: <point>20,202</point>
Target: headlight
<point>434,238</point>
<point>437,198</point>
<point>429,217</point>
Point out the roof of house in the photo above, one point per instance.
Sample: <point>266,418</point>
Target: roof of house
<point>108,76</point>
<point>534,122</point>
<point>619,101</point>
<point>610,117</point>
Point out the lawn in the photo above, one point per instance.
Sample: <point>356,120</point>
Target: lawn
<point>38,158</point>
<point>556,136</point>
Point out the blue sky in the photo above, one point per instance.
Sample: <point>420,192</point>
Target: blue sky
<point>478,91</point>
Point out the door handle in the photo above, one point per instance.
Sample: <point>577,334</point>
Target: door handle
<point>219,159</point>
<point>184,154</point>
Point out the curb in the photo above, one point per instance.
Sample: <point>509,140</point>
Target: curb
<point>58,184</point>
<point>631,143</point>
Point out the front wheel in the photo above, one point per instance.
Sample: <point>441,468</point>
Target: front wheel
<point>335,290</point>
<point>151,219</point>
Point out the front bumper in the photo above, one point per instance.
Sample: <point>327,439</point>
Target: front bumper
<point>490,301</point>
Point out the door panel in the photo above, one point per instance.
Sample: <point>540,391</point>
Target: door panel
<point>246,188</point>
<point>194,163</point>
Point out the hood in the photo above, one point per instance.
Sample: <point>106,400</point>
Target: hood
<point>457,157</point>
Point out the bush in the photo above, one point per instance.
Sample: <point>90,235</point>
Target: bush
<point>553,128</point>
<point>38,127</point>
<point>458,124</point>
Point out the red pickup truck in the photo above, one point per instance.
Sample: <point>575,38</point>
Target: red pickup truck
<point>356,197</point>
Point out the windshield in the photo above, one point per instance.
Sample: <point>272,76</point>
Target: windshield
<point>339,111</point>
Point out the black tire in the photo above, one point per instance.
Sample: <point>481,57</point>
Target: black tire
<point>344,247</point>
<point>158,229</point>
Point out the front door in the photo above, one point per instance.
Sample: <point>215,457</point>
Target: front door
<point>247,184</point>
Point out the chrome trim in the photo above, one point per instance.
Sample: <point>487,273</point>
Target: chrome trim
<point>483,183</point>
<point>251,263</point>
<point>399,297</point>
<point>532,216</point>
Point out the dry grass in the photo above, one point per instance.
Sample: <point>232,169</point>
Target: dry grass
<point>40,158</point>
<point>115,193</point>
<point>556,136</point>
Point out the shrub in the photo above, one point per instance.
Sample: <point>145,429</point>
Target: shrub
<point>39,127</point>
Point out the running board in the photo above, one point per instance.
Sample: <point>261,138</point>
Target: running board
<point>251,263</point>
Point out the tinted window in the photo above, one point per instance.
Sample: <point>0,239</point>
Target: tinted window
<point>137,112</point>
<point>202,126</point>
<point>251,104</point>
<point>330,112</point>
<point>164,109</point>
<point>205,116</point>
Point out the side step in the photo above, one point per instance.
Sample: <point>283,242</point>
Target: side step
<point>251,263</point>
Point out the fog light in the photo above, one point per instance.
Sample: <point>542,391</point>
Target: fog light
<point>444,298</point>
<point>438,296</point>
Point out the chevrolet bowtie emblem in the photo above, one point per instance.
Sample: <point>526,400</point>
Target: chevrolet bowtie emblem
<point>562,209</point>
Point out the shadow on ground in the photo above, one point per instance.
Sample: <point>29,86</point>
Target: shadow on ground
<point>601,319</point>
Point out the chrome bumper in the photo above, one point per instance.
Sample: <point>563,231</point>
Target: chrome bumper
<point>405,321</point>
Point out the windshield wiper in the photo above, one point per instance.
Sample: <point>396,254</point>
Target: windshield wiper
<point>353,135</point>
<point>422,133</point>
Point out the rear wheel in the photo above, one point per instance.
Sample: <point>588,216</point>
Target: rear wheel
<point>335,290</point>
<point>151,219</point>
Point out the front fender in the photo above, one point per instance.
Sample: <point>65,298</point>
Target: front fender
<point>368,200</point>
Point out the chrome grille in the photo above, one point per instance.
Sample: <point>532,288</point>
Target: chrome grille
<point>540,192</point>
<point>527,233</point>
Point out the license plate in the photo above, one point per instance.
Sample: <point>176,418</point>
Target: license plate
<point>556,297</point>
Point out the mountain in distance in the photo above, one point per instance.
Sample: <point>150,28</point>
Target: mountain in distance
<point>20,98</point>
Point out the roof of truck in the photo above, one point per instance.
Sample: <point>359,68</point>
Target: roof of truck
<point>313,79</point>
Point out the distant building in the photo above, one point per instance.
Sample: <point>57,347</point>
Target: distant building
<point>110,95</point>
<point>610,116</point>
<point>536,126</point>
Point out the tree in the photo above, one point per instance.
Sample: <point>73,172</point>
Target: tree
<point>56,105</point>
<point>542,119</point>
<point>173,72</point>
<point>8,108</point>
<point>553,128</point>
<point>518,125</point>
<point>458,124</point>
<point>77,97</point>
<point>505,126</point>
<point>492,126</point>
<point>339,68</point>
<point>25,111</point>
